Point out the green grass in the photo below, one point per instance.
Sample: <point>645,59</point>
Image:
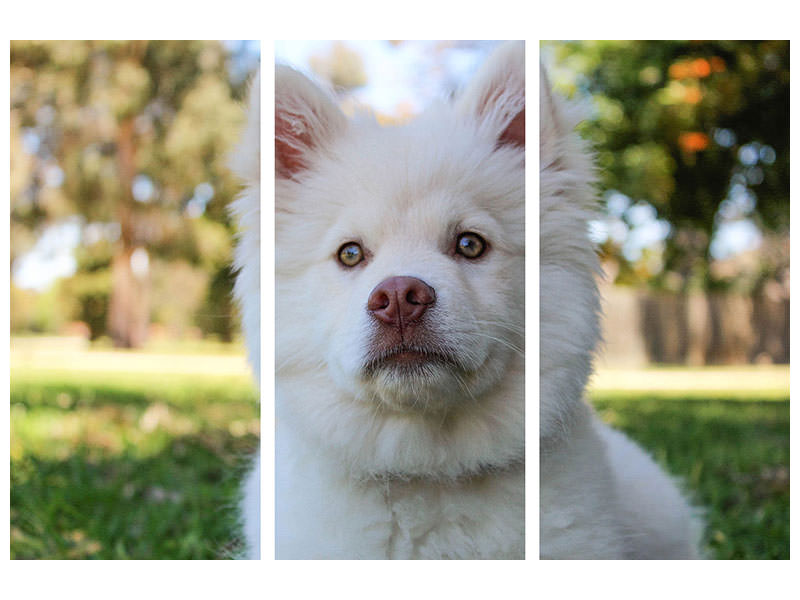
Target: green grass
<point>118,465</point>
<point>147,464</point>
<point>732,454</point>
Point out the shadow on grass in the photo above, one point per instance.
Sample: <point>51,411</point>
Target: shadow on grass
<point>178,504</point>
<point>733,457</point>
<point>118,465</point>
<point>68,390</point>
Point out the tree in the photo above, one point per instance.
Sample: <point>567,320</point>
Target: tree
<point>699,130</point>
<point>133,137</point>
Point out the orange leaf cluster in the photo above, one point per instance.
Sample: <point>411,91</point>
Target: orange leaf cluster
<point>696,68</point>
<point>693,95</point>
<point>693,141</point>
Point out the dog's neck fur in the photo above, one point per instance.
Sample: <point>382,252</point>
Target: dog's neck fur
<point>468,476</point>
<point>484,437</point>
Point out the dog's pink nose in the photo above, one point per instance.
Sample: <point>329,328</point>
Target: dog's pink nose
<point>400,300</point>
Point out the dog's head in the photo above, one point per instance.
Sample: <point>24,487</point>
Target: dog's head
<point>568,264</point>
<point>400,248</point>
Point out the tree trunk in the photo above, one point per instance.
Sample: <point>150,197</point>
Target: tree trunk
<point>128,311</point>
<point>129,307</point>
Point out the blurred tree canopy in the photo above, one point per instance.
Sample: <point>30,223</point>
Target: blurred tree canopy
<point>129,140</point>
<point>696,133</point>
<point>343,67</point>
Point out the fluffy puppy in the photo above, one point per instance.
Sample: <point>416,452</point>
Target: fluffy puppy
<point>601,496</point>
<point>400,306</point>
<point>246,163</point>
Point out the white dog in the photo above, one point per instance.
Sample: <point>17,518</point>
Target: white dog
<point>400,304</point>
<point>601,496</point>
<point>246,163</point>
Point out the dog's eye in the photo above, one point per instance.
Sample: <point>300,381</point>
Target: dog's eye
<point>470,245</point>
<point>350,254</point>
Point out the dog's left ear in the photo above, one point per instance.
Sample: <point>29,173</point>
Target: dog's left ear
<point>496,96</point>
<point>245,160</point>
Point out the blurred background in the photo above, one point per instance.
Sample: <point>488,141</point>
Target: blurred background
<point>131,403</point>
<point>692,144</point>
<point>119,188</point>
<point>395,79</point>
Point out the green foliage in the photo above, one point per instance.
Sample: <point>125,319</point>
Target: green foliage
<point>194,141</point>
<point>343,67</point>
<point>213,315</point>
<point>36,313</point>
<point>670,122</point>
<point>108,465</point>
<point>91,120</point>
<point>88,294</point>
<point>179,289</point>
<point>733,456</point>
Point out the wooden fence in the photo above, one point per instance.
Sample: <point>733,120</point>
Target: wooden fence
<point>641,327</point>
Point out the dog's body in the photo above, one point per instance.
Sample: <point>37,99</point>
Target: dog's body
<point>601,496</point>
<point>246,163</point>
<point>400,306</point>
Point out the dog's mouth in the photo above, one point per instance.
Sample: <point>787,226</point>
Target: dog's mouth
<point>408,359</point>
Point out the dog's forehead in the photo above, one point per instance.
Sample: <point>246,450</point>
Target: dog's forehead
<point>406,212</point>
<point>417,181</point>
<point>415,154</point>
<point>395,168</point>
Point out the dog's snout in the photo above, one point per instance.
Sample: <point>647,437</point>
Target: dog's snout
<point>400,300</point>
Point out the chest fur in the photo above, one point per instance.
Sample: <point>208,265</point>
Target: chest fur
<point>322,514</point>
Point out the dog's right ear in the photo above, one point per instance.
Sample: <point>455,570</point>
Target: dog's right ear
<point>561,149</point>
<point>305,119</point>
<point>551,126</point>
<point>496,95</point>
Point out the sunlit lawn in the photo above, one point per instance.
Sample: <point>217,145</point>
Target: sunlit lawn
<point>726,433</point>
<point>140,455</point>
<point>115,457</point>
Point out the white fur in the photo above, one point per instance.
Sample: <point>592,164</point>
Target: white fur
<point>376,468</point>
<point>601,496</point>
<point>246,163</point>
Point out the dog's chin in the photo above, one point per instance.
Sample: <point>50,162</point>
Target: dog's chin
<point>416,379</point>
